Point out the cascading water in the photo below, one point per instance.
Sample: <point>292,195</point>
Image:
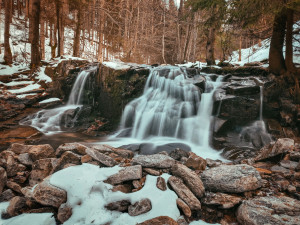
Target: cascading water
<point>172,106</point>
<point>49,121</point>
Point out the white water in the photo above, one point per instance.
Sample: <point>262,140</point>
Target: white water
<point>48,121</point>
<point>172,110</point>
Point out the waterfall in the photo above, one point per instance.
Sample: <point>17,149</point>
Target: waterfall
<point>50,121</point>
<point>172,106</point>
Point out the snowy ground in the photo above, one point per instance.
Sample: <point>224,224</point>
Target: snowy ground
<point>88,195</point>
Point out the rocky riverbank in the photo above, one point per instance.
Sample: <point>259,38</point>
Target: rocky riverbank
<point>37,180</point>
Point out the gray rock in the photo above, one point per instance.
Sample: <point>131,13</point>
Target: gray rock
<point>269,210</point>
<point>49,195</point>
<point>221,200</point>
<point>184,193</point>
<point>3,179</point>
<point>25,159</point>
<point>295,156</point>
<point>152,171</point>
<point>282,145</point>
<point>161,184</point>
<point>178,153</point>
<point>72,147</point>
<point>121,206</point>
<point>181,221</point>
<point>154,161</point>
<point>291,165</point>
<point>6,195</point>
<point>100,157</point>
<point>298,167</point>
<point>231,178</point>
<point>190,178</point>
<point>126,174</point>
<point>140,207</point>
<point>109,149</point>
<point>280,169</point>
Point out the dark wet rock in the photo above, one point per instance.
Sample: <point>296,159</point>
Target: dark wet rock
<point>41,169</point>
<point>184,193</point>
<point>3,179</point>
<point>178,153</point>
<point>221,200</point>
<point>161,184</point>
<point>100,157</point>
<point>269,210</point>
<point>6,195</point>
<point>161,220</point>
<point>298,167</point>
<point>244,87</point>
<point>72,147</point>
<point>181,221</point>
<point>126,174</point>
<point>121,206</point>
<point>154,161</point>
<point>282,145</point>
<point>66,158</point>
<point>274,127</point>
<point>190,178</point>
<point>49,195</point>
<point>16,206</point>
<point>64,213</point>
<point>231,178</point>
<point>184,207</point>
<point>288,164</point>
<point>140,207</point>
<point>195,162</point>
<point>148,149</point>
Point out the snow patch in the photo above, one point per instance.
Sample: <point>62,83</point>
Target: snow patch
<point>49,100</point>
<point>28,88</point>
<point>25,95</point>
<point>41,76</point>
<point>117,65</point>
<point>88,194</point>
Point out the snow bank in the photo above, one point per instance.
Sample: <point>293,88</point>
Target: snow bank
<point>117,65</point>
<point>16,83</point>
<point>88,194</point>
<point>9,70</point>
<point>25,95</point>
<point>28,88</point>
<point>49,100</point>
<point>41,76</point>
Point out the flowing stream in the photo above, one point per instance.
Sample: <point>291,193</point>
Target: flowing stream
<point>49,121</point>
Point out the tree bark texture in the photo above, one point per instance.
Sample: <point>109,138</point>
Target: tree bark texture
<point>7,50</point>
<point>35,53</point>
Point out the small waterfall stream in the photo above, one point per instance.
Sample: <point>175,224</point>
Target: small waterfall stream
<point>172,108</point>
<point>49,121</point>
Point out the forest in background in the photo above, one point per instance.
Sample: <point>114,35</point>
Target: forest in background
<point>154,31</point>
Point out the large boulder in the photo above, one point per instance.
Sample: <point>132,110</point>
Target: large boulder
<point>269,210</point>
<point>154,161</point>
<point>140,207</point>
<point>73,147</point>
<point>190,178</point>
<point>37,152</point>
<point>41,169</point>
<point>3,179</point>
<point>231,178</point>
<point>221,200</point>
<point>49,195</point>
<point>100,157</point>
<point>282,145</point>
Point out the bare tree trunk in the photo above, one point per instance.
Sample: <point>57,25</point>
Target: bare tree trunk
<point>289,41</point>
<point>163,37</point>
<point>58,24</point>
<point>0,24</point>
<point>35,53</point>
<point>276,60</point>
<point>210,46</point>
<point>7,50</point>
<point>76,45</point>
<point>42,31</point>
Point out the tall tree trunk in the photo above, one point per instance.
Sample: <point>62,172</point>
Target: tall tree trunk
<point>0,24</point>
<point>7,50</point>
<point>76,45</point>
<point>289,41</point>
<point>163,37</point>
<point>240,49</point>
<point>210,46</point>
<point>276,60</point>
<point>42,32</point>
<point>30,16</point>
<point>35,53</point>
<point>58,24</point>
